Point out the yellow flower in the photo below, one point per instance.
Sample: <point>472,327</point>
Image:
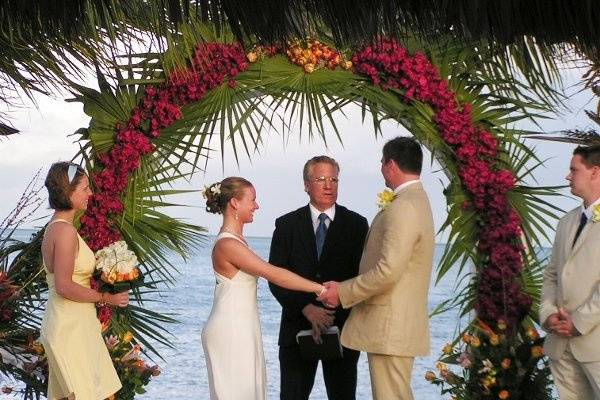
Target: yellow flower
<point>503,395</point>
<point>596,213</point>
<point>127,337</point>
<point>309,68</point>
<point>385,198</point>
<point>447,349</point>
<point>252,56</point>
<point>430,376</point>
<point>475,342</point>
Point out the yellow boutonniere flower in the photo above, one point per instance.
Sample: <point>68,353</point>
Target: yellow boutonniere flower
<point>596,213</point>
<point>385,198</point>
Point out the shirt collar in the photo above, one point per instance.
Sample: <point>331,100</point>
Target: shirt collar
<point>589,212</point>
<point>314,213</point>
<point>406,184</point>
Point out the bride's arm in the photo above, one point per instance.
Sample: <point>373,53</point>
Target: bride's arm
<point>234,252</point>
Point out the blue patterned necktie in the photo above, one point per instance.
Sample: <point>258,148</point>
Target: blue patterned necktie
<point>320,233</point>
<point>582,223</point>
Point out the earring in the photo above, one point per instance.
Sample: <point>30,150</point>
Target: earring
<point>235,216</point>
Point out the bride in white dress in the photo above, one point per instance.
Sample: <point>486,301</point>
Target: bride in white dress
<point>231,337</point>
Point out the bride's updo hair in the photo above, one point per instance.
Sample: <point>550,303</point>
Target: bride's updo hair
<point>218,194</point>
<point>62,179</point>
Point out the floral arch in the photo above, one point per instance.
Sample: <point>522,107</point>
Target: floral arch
<point>157,124</point>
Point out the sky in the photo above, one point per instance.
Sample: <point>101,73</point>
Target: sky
<point>276,171</point>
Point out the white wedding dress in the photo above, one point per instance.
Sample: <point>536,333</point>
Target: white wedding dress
<point>232,339</point>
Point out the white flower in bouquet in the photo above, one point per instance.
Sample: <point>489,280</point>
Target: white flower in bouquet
<point>117,263</point>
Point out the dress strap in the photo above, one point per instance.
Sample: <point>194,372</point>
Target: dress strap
<point>58,220</point>
<point>223,235</point>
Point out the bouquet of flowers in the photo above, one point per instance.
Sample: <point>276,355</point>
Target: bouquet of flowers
<point>133,371</point>
<point>117,268</point>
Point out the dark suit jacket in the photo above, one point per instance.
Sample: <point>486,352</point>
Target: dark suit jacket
<point>293,247</point>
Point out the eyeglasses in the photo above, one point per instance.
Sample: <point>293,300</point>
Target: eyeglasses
<point>322,179</point>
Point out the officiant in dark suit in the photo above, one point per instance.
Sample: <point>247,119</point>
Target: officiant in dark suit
<point>321,241</point>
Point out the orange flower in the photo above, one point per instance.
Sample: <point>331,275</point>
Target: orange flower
<point>475,342</point>
<point>467,338</point>
<point>505,364</point>
<point>252,56</point>
<point>430,376</point>
<point>494,340</point>
<point>532,334</point>
<point>537,352</point>
<point>503,394</point>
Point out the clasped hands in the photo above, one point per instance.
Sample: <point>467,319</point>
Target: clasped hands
<point>561,324</point>
<point>319,317</point>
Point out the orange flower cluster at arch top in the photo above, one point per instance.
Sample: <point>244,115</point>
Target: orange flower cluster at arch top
<point>309,54</point>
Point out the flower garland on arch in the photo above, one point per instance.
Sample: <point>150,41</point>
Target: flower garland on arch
<point>212,65</point>
<point>389,65</point>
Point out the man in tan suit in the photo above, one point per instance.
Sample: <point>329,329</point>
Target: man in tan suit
<point>389,317</point>
<point>570,306</point>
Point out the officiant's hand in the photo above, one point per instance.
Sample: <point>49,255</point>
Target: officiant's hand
<point>320,318</point>
<point>316,334</point>
<point>331,297</point>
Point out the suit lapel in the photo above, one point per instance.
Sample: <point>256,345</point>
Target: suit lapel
<point>308,234</point>
<point>587,229</point>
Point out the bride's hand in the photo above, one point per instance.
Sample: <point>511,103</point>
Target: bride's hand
<point>321,292</point>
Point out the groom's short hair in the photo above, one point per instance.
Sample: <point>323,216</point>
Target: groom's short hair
<point>406,152</point>
<point>318,160</point>
<point>590,154</point>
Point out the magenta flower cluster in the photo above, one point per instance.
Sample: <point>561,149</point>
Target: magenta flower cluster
<point>499,296</point>
<point>212,65</point>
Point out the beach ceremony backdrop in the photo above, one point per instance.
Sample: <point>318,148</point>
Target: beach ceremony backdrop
<point>225,94</point>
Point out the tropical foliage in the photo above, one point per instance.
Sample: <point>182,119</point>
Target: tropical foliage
<point>21,355</point>
<point>148,131</point>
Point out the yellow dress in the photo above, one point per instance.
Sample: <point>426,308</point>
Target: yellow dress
<point>79,363</point>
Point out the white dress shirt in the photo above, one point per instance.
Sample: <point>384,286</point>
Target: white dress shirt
<point>314,215</point>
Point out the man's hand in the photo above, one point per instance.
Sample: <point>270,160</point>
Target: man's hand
<point>331,297</point>
<point>320,318</point>
<point>561,324</point>
<point>567,321</point>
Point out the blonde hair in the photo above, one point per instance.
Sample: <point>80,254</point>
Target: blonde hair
<point>218,194</point>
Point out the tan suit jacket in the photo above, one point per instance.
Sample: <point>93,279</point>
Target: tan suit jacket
<point>572,281</point>
<point>389,298</point>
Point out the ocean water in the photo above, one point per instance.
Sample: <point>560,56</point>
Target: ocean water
<point>184,375</point>
<point>184,371</point>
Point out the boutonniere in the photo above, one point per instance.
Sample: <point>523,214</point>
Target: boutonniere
<point>385,198</point>
<point>596,213</point>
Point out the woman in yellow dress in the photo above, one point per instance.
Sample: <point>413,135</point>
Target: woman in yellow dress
<point>79,364</point>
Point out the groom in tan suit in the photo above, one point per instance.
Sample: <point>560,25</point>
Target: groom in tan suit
<point>389,317</point>
<point>570,306</point>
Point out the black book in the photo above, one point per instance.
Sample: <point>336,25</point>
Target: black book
<point>329,349</point>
